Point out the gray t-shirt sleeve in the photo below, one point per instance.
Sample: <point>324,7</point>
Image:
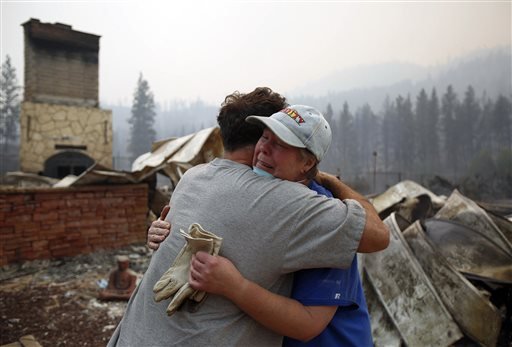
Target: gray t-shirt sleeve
<point>338,229</point>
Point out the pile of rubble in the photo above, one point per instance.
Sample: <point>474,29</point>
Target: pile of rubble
<point>446,277</point>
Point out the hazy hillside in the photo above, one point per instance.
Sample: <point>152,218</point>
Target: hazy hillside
<point>488,71</point>
<point>363,76</point>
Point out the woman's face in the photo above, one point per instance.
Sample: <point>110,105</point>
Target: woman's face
<point>280,159</point>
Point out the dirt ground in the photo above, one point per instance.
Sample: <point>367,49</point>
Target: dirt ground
<point>56,301</point>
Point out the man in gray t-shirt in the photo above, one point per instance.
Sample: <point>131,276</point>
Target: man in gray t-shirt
<point>270,228</point>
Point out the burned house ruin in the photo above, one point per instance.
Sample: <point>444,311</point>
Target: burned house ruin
<point>63,130</point>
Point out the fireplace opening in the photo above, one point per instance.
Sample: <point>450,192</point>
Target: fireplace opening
<point>67,163</point>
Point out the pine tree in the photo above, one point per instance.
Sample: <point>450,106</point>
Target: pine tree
<point>433,133</point>
<point>346,139</point>
<point>502,123</point>
<point>504,173</point>
<point>142,132</point>
<point>9,102</point>
<point>406,141</point>
<point>466,121</point>
<point>449,106</point>
<point>366,129</point>
<point>331,161</point>
<point>9,110</point>
<point>329,113</point>
<point>421,126</point>
<point>484,138</point>
<point>389,137</point>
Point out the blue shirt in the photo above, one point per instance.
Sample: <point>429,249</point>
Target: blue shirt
<point>350,325</point>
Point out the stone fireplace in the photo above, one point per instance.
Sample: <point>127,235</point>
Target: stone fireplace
<point>63,130</point>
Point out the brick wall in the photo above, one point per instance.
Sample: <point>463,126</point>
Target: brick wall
<point>53,223</point>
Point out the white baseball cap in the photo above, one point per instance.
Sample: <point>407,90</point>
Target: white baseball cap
<point>299,126</point>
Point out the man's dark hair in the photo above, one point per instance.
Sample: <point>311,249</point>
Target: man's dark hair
<point>235,131</point>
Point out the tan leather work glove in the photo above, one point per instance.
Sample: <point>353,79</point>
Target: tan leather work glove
<point>199,296</point>
<point>175,279</point>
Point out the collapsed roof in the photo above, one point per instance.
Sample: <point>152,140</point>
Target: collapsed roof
<point>444,274</point>
<point>171,158</point>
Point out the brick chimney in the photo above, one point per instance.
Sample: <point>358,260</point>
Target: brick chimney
<point>63,130</point>
<point>61,64</point>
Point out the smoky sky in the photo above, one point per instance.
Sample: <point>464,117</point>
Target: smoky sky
<point>207,49</point>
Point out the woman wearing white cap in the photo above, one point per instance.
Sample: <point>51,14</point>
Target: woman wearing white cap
<point>294,141</point>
